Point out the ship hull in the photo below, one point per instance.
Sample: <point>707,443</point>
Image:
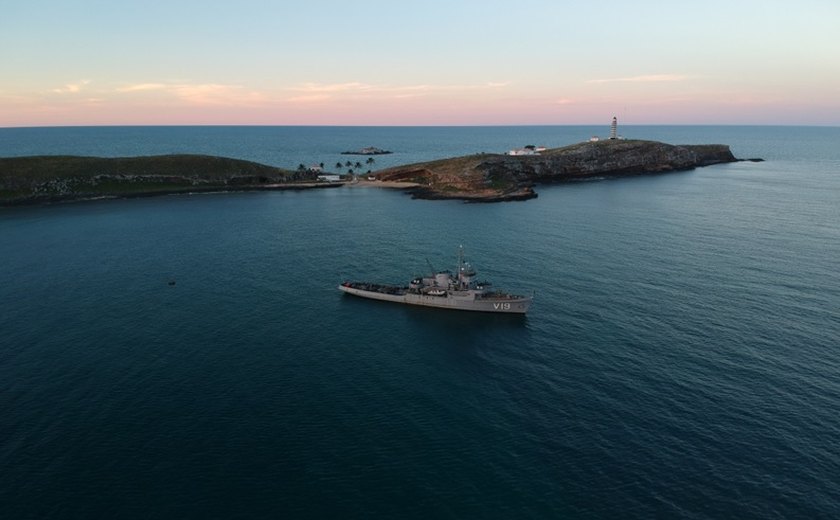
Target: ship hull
<point>452,300</point>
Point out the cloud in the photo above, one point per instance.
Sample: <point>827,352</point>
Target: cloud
<point>308,97</point>
<point>209,93</point>
<point>651,78</point>
<point>356,87</point>
<point>333,87</point>
<point>71,88</point>
<point>313,93</point>
<point>198,93</point>
<point>143,87</point>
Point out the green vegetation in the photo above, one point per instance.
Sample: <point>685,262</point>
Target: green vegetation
<point>125,186</point>
<point>40,178</point>
<point>501,184</point>
<point>489,177</point>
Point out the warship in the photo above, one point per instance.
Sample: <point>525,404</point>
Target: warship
<point>445,290</point>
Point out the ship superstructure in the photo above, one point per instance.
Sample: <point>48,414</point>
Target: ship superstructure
<point>444,289</point>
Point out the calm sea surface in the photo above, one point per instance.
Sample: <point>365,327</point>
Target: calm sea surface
<point>681,358</point>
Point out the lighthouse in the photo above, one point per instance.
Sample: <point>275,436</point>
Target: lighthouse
<point>614,129</point>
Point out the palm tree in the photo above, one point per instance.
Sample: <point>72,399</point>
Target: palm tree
<point>370,160</point>
<point>358,165</point>
<point>348,164</point>
<point>338,166</point>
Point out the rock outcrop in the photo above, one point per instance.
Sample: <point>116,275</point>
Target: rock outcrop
<point>370,150</point>
<point>492,178</point>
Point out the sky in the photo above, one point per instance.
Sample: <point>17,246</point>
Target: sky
<point>430,62</point>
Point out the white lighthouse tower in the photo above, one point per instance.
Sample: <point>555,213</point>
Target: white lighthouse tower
<point>614,129</point>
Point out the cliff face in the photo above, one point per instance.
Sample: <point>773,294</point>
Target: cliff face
<point>623,157</point>
<point>53,178</point>
<point>492,178</point>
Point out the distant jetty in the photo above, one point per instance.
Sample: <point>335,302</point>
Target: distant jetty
<point>370,150</point>
<point>498,177</point>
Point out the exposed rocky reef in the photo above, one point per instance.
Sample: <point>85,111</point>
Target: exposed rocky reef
<point>370,150</point>
<point>25,180</point>
<point>496,177</point>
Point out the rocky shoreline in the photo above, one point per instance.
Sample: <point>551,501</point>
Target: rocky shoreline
<point>473,178</point>
<point>497,178</point>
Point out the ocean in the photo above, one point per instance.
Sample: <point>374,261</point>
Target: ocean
<point>681,358</point>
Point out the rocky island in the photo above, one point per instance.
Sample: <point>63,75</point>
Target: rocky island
<point>27,180</point>
<point>472,178</point>
<point>497,177</point>
<point>370,150</point>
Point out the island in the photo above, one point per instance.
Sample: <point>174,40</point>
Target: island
<point>504,177</point>
<point>370,150</point>
<point>473,178</point>
<point>36,179</point>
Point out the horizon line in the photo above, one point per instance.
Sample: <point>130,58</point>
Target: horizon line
<point>263,125</point>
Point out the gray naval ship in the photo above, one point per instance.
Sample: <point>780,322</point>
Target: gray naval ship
<point>443,289</point>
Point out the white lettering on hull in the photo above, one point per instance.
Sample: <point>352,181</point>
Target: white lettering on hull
<point>501,306</point>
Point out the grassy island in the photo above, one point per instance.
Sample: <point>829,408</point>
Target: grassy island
<point>473,178</point>
<point>25,180</point>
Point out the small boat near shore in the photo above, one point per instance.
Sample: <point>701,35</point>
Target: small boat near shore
<point>445,290</point>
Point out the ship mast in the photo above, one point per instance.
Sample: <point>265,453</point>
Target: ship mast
<point>465,272</point>
<point>460,268</point>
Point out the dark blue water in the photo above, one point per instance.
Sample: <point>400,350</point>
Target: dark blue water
<point>681,358</point>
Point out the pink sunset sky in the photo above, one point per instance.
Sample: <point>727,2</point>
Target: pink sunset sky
<point>429,63</point>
